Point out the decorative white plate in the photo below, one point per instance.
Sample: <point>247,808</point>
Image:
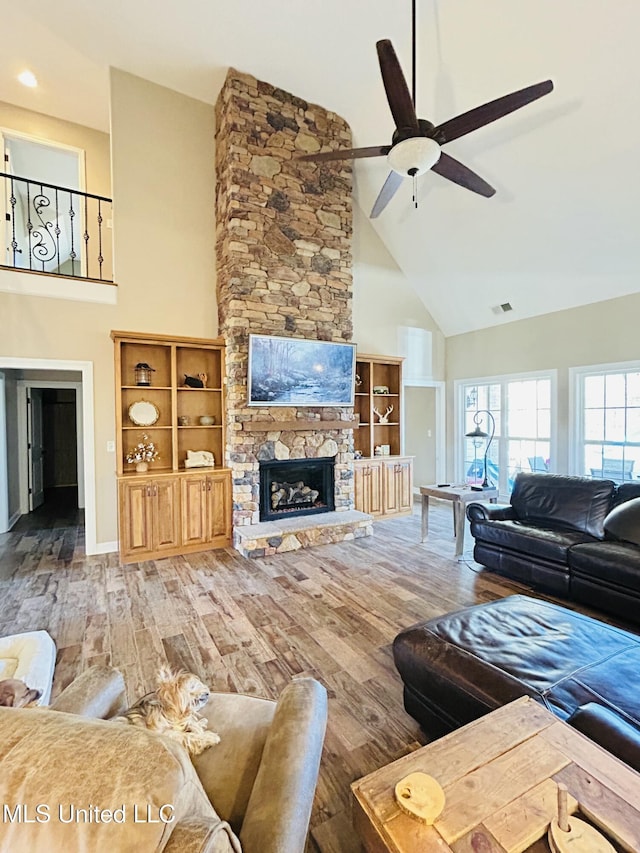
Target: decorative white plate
<point>143,413</point>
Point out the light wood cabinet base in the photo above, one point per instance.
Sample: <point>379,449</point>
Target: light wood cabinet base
<point>171,514</point>
<point>384,486</point>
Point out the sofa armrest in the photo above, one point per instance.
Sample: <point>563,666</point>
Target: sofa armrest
<point>279,809</point>
<point>97,692</point>
<point>609,730</point>
<point>199,835</point>
<point>489,512</point>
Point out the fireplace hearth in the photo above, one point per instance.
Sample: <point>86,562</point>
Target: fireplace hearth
<point>293,487</point>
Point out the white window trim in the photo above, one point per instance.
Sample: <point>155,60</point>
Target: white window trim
<point>459,410</point>
<point>576,405</point>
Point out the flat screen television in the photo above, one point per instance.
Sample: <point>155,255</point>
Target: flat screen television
<point>298,372</point>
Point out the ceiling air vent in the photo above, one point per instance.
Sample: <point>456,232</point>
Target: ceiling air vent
<point>502,308</point>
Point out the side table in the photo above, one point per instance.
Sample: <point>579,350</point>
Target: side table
<point>500,777</point>
<point>460,496</point>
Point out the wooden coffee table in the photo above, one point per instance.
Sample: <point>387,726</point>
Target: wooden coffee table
<point>460,496</point>
<point>500,775</point>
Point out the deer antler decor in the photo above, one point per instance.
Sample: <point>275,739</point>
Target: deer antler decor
<point>383,419</point>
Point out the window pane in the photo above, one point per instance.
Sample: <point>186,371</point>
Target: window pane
<point>544,393</point>
<point>633,389</point>
<point>594,392</point>
<point>594,425</point>
<point>521,422</point>
<point>593,454</point>
<point>470,397</point>
<point>615,390</point>
<point>544,423</point>
<point>633,425</point>
<point>614,425</point>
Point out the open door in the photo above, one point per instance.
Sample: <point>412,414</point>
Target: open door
<point>35,448</point>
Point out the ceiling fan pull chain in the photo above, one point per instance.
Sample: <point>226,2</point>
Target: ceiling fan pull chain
<point>415,191</point>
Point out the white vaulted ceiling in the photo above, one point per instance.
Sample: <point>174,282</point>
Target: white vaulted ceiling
<point>560,230</point>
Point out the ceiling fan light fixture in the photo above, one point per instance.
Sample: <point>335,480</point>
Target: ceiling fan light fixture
<point>414,156</point>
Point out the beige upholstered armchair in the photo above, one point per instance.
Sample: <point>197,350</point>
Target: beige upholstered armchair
<point>91,784</point>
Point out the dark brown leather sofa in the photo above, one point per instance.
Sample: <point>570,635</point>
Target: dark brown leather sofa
<point>573,536</point>
<point>462,665</point>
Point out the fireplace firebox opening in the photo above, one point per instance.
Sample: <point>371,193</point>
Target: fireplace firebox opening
<point>292,487</point>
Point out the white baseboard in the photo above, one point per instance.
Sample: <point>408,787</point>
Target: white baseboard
<point>13,519</point>
<point>103,548</point>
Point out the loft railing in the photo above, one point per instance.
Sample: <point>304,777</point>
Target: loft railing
<point>55,230</point>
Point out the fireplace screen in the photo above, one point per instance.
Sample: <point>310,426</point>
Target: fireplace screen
<point>290,487</point>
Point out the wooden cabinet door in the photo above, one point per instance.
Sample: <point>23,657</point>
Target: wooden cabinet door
<point>368,486</point>
<point>375,488</point>
<point>136,518</point>
<point>219,508</point>
<point>360,487</point>
<point>165,499</point>
<point>390,489</point>
<point>404,485</point>
<point>398,486</point>
<point>194,509</point>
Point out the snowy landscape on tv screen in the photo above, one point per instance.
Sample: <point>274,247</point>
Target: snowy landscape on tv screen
<point>296,372</point>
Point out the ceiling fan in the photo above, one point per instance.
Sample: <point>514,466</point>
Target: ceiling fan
<point>416,143</point>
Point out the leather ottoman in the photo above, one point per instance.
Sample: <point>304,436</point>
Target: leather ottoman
<point>460,666</point>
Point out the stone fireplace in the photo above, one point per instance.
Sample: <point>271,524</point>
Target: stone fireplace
<point>283,250</point>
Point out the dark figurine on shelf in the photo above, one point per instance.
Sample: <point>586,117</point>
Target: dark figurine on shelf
<point>199,381</point>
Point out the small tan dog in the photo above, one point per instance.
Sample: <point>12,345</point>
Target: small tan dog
<point>172,710</point>
<point>15,693</point>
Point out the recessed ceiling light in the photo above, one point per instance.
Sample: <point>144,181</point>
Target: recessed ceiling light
<point>28,78</point>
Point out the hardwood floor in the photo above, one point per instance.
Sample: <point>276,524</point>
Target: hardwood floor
<point>250,625</point>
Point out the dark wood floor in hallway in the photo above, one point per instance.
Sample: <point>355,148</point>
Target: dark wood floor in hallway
<point>251,625</point>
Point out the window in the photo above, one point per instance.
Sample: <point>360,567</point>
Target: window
<point>608,413</point>
<point>524,424</point>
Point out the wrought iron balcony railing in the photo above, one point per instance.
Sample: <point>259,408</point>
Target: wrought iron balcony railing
<point>55,230</point>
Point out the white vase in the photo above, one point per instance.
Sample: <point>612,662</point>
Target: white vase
<point>142,467</point>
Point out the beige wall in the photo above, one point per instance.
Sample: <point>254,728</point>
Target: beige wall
<point>164,237</point>
<point>164,184</point>
<point>383,299</point>
<point>601,333</point>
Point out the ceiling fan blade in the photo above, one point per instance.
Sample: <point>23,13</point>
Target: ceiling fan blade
<point>389,189</point>
<point>347,153</point>
<point>478,117</point>
<point>402,108</point>
<point>455,171</point>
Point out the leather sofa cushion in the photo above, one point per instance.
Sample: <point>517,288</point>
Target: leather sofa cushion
<point>59,760</point>
<point>610,730</point>
<point>615,563</point>
<point>489,654</point>
<point>555,500</point>
<point>539,542</point>
<point>623,522</point>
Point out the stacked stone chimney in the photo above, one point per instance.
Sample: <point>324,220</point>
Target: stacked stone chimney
<point>283,247</point>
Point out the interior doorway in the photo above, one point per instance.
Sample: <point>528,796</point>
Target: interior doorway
<point>53,455</point>
<point>425,431</point>
<point>43,374</point>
